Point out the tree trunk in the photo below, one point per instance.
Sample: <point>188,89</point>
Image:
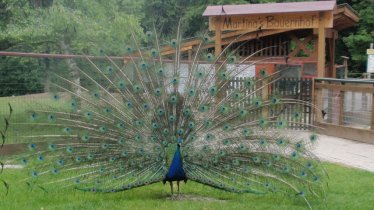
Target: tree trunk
<point>73,72</point>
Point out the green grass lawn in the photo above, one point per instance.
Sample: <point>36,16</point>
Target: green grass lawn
<point>348,189</point>
<point>22,105</point>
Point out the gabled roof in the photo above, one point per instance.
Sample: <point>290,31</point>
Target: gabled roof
<point>268,8</point>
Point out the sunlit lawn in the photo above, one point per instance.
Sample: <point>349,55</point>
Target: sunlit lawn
<point>348,189</point>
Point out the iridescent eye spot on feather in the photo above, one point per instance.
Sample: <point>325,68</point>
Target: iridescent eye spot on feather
<point>203,108</point>
<point>160,72</point>
<point>51,118</point>
<point>69,149</point>
<point>173,99</point>
<point>32,146</point>
<point>129,104</point>
<point>146,106</point>
<point>54,171</point>
<point>34,116</point>
<point>187,112</point>
<point>175,80</point>
<point>209,57</point>
<point>90,156</point>
<point>154,52</point>
<point>96,95</point>
<point>129,49</point>
<point>155,125</point>
<point>243,113</point>
<point>78,159</point>
<point>103,129</point>
<point>226,142</point>
<point>24,161</point>
<point>231,59</point>
<point>246,132</point>
<point>227,127</point>
<point>213,90</point>
<point>121,141</point>
<point>85,137</point>
<point>263,73</point>
<point>143,65</point>
<point>40,158</point>
<point>60,162</point>
<point>107,110</point>
<point>137,88</point>
<point>88,115</point>
<point>172,118</point>
<point>67,130</point>
<point>209,137</point>
<point>200,74</point>
<point>191,92</point>
<point>157,92</point>
<point>191,125</point>
<point>121,125</point>
<point>313,137</point>
<point>281,142</point>
<point>121,85</point>
<point>104,145</point>
<point>249,83</point>
<point>173,43</point>
<point>34,173</point>
<point>223,109</point>
<point>180,131</point>
<point>109,70</point>
<point>294,155</point>
<point>52,147</point>
<point>55,97</point>
<point>138,137</point>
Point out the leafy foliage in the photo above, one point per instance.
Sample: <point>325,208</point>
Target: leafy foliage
<point>360,37</point>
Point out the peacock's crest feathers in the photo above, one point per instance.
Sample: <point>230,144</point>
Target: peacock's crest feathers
<point>117,127</point>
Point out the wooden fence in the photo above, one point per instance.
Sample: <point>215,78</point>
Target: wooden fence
<point>346,108</point>
<point>289,88</point>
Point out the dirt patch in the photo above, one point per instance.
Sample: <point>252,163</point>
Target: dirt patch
<point>192,197</point>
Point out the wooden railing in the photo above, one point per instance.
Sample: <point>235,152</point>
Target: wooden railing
<point>345,108</point>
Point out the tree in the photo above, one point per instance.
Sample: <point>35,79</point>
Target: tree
<point>358,39</point>
<point>66,26</point>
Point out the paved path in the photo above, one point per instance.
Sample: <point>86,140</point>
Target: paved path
<point>346,152</point>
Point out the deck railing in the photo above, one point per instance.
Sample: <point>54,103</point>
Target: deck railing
<point>346,108</point>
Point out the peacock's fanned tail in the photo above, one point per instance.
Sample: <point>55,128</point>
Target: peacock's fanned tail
<point>111,130</point>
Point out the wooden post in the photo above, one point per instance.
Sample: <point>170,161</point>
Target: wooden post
<point>372,111</point>
<point>218,38</point>
<point>321,46</point>
<point>217,51</point>
<point>341,108</point>
<point>265,97</point>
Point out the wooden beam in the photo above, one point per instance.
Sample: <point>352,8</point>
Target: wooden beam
<point>321,46</point>
<point>218,38</point>
<point>353,87</point>
<point>361,135</point>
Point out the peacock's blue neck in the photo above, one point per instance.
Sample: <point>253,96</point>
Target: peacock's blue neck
<point>176,172</point>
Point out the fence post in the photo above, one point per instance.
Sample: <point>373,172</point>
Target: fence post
<point>318,102</point>
<point>341,108</point>
<point>372,111</point>
<point>265,97</point>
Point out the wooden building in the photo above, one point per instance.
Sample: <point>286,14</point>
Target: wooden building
<point>299,36</point>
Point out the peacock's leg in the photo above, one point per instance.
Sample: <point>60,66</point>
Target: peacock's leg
<point>178,188</point>
<point>171,188</point>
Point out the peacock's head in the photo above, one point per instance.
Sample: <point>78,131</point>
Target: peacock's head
<point>179,140</point>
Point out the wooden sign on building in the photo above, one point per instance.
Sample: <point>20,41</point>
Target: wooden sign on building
<point>312,26</point>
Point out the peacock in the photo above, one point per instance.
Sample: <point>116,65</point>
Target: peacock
<point>158,117</point>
